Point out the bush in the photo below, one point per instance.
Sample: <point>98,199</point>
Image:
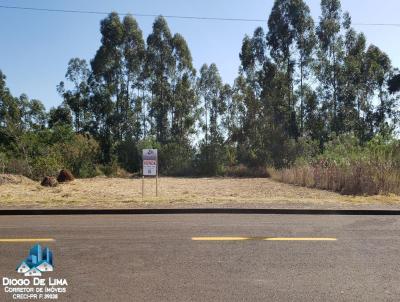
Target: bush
<point>175,159</point>
<point>46,165</point>
<point>45,152</point>
<point>128,155</point>
<point>18,166</point>
<point>244,171</point>
<point>80,155</point>
<point>3,162</point>
<point>349,168</point>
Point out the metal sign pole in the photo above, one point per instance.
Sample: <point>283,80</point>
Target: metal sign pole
<point>142,187</point>
<point>157,181</point>
<point>150,165</point>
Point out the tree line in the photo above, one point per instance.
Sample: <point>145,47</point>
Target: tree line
<point>301,83</point>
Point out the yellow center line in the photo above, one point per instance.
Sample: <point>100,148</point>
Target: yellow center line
<point>220,238</point>
<point>300,239</point>
<point>22,240</point>
<point>261,238</point>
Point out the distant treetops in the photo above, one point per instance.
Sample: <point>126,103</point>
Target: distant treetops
<point>300,84</point>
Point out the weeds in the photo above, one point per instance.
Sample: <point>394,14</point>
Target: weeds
<point>350,169</point>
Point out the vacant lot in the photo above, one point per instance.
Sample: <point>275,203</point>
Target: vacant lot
<point>119,192</point>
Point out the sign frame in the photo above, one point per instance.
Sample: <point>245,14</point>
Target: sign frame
<point>149,166</point>
<point>150,162</point>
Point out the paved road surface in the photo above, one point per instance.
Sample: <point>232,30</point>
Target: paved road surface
<point>153,257</point>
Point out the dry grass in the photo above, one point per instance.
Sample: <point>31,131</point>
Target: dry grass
<point>118,192</point>
<point>14,179</point>
<point>357,179</point>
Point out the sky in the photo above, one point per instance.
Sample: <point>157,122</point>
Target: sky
<point>35,47</point>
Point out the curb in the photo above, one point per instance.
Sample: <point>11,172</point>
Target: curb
<point>17,212</point>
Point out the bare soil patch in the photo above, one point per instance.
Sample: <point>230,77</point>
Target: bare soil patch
<point>102,192</point>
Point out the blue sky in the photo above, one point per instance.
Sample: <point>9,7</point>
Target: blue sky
<point>35,47</point>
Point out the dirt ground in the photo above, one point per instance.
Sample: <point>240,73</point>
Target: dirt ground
<point>102,192</point>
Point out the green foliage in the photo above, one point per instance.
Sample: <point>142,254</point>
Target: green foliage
<point>80,155</point>
<point>307,95</point>
<point>176,159</point>
<point>3,162</point>
<point>42,153</point>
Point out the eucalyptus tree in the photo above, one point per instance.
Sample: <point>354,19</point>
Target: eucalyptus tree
<point>380,71</point>
<point>330,56</point>
<point>10,114</point>
<point>37,115</point>
<point>210,88</point>
<point>213,94</point>
<point>281,40</point>
<point>249,89</point>
<point>77,98</point>
<point>116,87</point>
<point>160,65</point>
<point>184,103</point>
<point>291,39</point>
<point>304,35</point>
<point>60,116</point>
<point>355,89</point>
<point>117,67</point>
<point>173,107</point>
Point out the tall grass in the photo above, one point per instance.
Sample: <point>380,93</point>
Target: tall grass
<point>350,169</point>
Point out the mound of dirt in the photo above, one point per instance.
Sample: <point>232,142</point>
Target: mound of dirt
<point>49,182</point>
<point>14,179</point>
<point>65,176</point>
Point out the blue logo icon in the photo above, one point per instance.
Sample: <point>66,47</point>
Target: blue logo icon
<point>39,261</point>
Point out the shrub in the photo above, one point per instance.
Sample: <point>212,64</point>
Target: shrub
<point>3,162</point>
<point>46,165</point>
<point>349,168</point>
<point>244,171</point>
<point>80,155</point>
<point>110,169</point>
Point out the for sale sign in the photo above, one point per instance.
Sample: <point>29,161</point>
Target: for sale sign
<point>150,162</point>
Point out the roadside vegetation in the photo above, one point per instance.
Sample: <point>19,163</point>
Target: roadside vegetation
<point>312,100</point>
<point>349,168</point>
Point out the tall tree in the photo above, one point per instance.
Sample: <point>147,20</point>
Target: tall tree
<point>184,102</point>
<point>77,98</point>
<point>117,70</point>
<point>291,39</point>
<point>355,89</point>
<point>249,89</point>
<point>304,35</point>
<point>214,100</point>
<point>160,66</point>
<point>10,116</point>
<point>379,70</point>
<point>330,59</point>
<point>60,116</point>
<point>281,41</point>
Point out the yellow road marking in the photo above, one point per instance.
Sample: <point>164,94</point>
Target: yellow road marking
<point>300,239</point>
<point>219,238</point>
<point>261,238</point>
<point>20,240</point>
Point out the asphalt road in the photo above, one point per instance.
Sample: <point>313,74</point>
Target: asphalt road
<point>153,257</point>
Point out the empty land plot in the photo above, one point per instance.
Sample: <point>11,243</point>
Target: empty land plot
<point>102,192</point>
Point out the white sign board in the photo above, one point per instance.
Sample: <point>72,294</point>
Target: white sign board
<point>150,162</point>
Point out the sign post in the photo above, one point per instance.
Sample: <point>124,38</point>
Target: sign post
<point>150,166</point>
